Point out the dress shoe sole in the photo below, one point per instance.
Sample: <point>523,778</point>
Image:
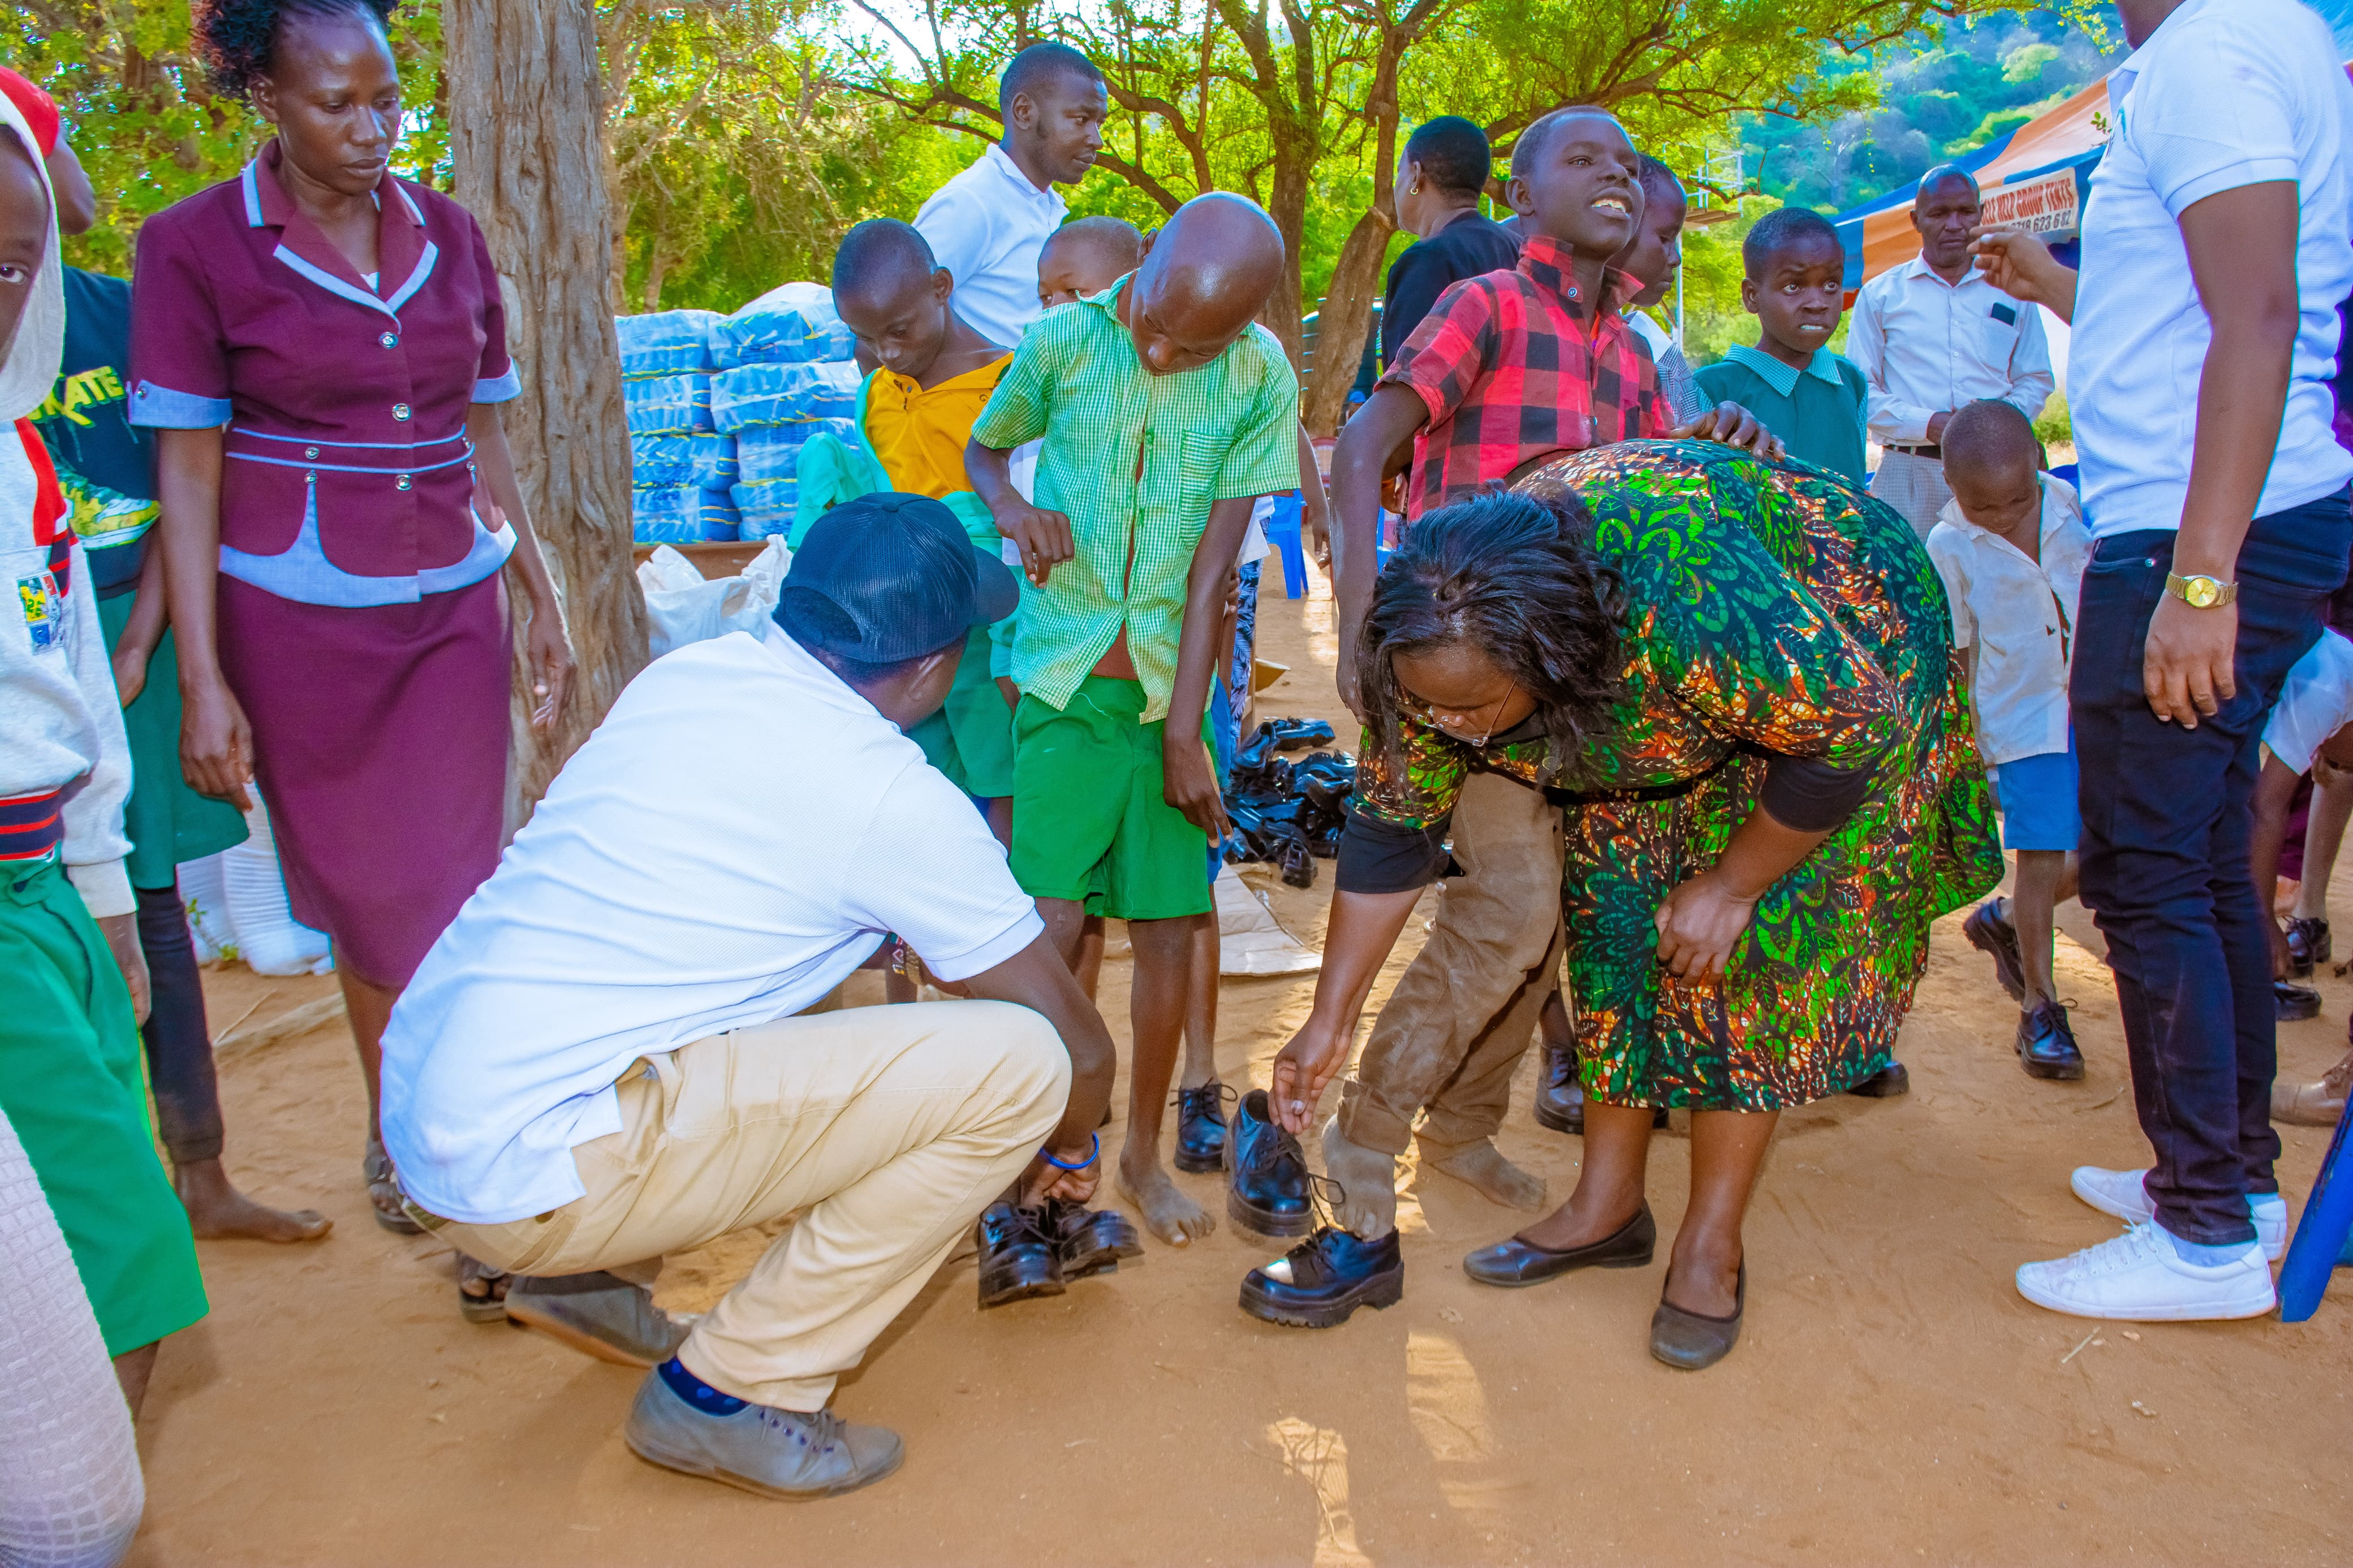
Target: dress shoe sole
<point>1200,1164</point>
<point>1386,1288</point>
<point>711,1472</point>
<point>1257,1222</point>
<point>1019,1291</point>
<point>2005,969</point>
<point>2295,1010</point>
<point>1559,1121</point>
<point>521,1310</point>
<point>2059,1072</point>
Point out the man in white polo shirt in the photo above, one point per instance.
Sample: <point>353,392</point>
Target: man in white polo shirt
<point>2215,251</point>
<point>987,225</point>
<point>1931,337</point>
<point>600,1060</point>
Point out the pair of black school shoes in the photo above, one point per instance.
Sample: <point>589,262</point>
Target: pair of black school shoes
<point>1027,1252</point>
<point>1319,1283</point>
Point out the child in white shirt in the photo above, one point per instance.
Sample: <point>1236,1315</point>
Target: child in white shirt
<point>2010,546</point>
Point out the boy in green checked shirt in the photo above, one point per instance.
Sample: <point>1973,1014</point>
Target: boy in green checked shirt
<point>1165,412</point>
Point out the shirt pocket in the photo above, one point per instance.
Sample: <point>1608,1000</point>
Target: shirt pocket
<point>1201,464</point>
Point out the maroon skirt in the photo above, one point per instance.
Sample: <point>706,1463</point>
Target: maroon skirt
<point>380,739</point>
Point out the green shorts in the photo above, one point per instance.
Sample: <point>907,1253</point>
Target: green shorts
<point>1090,820</point>
<point>970,739</point>
<point>71,1084</point>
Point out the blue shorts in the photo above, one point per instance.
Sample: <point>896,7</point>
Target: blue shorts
<point>2038,801</point>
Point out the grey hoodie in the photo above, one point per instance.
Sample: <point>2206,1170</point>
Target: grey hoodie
<point>60,718</point>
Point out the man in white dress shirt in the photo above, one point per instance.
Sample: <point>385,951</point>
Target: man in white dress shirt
<point>1933,336</point>
<point>987,225</point>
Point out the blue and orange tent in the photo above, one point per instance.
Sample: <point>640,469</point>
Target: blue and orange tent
<point>2070,137</point>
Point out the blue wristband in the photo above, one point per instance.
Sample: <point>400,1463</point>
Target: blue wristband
<point>1094,1152</point>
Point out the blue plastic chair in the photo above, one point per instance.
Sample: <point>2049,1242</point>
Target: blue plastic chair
<point>2322,1231</point>
<point>1282,532</point>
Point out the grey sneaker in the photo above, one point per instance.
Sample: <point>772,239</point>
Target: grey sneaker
<point>775,1453</point>
<point>599,1315</point>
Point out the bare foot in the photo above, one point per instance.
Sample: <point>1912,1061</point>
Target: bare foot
<point>1167,1213</point>
<point>1366,1205</point>
<point>1498,1178</point>
<point>217,1210</point>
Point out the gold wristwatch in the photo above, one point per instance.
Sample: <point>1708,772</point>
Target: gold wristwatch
<point>2201,593</point>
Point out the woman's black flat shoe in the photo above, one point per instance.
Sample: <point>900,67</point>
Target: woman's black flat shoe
<point>1692,1341</point>
<point>1515,1262</point>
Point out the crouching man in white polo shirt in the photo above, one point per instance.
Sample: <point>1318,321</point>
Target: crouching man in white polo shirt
<point>599,1061</point>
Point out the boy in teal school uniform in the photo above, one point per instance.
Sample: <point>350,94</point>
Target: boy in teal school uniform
<point>1795,285</point>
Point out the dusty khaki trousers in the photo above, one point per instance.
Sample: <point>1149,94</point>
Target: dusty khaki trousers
<point>1913,486</point>
<point>1466,1008</point>
<point>890,1127</point>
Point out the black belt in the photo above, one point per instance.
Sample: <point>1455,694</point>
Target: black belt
<point>1930,451</point>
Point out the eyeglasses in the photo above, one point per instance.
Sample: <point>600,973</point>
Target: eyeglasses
<point>1451,722</point>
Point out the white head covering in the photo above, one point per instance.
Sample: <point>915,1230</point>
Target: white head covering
<point>31,367</point>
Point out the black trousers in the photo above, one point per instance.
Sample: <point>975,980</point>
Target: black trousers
<point>2166,823</point>
<point>179,1043</point>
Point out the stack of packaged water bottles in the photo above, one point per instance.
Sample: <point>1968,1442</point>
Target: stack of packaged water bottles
<point>681,465</point>
<point>786,372</point>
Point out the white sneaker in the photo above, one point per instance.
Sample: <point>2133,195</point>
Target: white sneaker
<point>2138,1277</point>
<point>2125,1194</point>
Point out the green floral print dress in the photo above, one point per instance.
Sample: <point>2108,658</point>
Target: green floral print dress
<point>1773,609</point>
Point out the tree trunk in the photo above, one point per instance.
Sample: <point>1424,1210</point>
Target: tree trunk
<point>1289,210</point>
<point>526,141</point>
<point>1347,316</point>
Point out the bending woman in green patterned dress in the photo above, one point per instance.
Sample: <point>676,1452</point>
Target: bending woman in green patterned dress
<point>1738,679</point>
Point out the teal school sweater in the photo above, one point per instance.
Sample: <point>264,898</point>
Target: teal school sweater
<point>1818,412</point>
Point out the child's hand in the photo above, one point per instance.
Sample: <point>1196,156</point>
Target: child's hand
<point>1042,536</point>
<point>1302,1070</point>
<point>1734,426</point>
<point>1190,784</point>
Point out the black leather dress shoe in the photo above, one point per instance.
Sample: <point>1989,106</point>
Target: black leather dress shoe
<point>1560,1103</point>
<point>1266,1173</point>
<point>1886,1084</point>
<point>1090,1241</point>
<point>1692,1341</point>
<point>1514,1263</point>
<point>2295,1002</point>
<point>1318,1283</point>
<point>1995,937</point>
<point>1018,1257</point>
<point>2046,1044</point>
<point>2307,945</point>
<point>1201,1127</point>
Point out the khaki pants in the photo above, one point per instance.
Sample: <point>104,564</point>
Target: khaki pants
<point>1466,1008</point>
<point>890,1127</point>
<point>1913,486</point>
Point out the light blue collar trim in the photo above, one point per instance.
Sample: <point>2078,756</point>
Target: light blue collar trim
<point>340,289</point>
<point>252,194</point>
<point>1783,378</point>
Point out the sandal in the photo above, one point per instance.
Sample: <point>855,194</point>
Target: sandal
<point>384,1191</point>
<point>490,1306</point>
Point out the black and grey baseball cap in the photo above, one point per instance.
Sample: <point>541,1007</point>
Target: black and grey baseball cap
<point>897,578</point>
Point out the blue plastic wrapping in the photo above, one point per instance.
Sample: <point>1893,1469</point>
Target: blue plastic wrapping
<point>784,394</point>
<point>767,452</point>
<point>791,325</point>
<point>668,343</point>
<point>714,461</point>
<point>716,510</point>
<point>765,506</point>
<point>666,514</point>
<point>669,405</point>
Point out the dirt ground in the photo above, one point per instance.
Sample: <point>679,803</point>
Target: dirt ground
<point>1891,1400</point>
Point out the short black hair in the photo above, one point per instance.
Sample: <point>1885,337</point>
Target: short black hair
<point>1987,432</point>
<point>1784,228</point>
<point>1034,66</point>
<point>1659,180</point>
<point>1539,132</point>
<point>873,251</point>
<point>1939,174</point>
<point>237,39</point>
<point>815,622</point>
<point>1515,575</point>
<point>1114,238</point>
<point>1452,152</point>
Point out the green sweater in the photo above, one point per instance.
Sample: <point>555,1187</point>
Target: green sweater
<point>1818,412</point>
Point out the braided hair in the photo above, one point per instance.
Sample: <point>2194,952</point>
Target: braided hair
<point>237,39</point>
<point>1511,575</point>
